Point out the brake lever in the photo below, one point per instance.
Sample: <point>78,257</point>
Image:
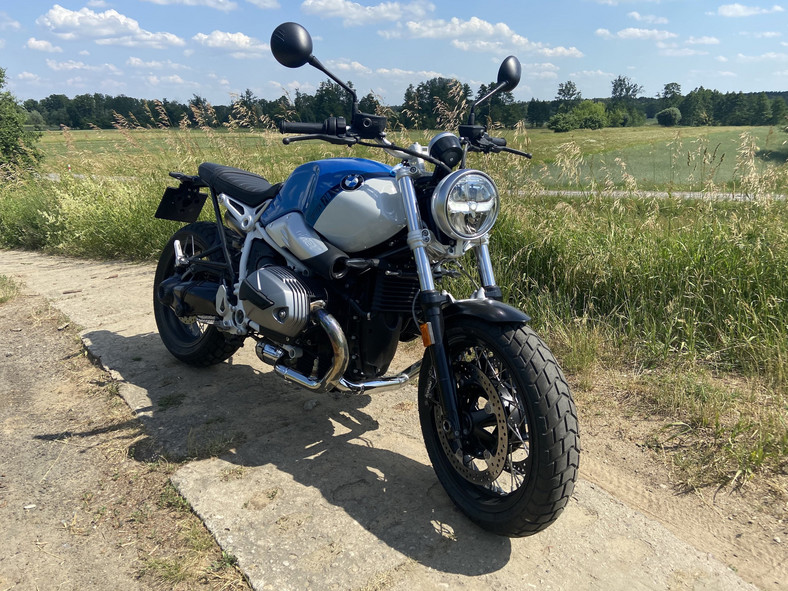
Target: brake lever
<point>331,139</point>
<point>489,148</point>
<point>517,152</point>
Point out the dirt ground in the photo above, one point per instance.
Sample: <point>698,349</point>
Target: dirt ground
<point>84,497</point>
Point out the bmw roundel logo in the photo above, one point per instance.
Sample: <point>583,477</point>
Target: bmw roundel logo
<point>352,182</point>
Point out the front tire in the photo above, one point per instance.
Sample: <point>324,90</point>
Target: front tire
<point>188,339</point>
<point>514,466</point>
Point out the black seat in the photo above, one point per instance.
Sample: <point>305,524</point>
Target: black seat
<point>245,186</point>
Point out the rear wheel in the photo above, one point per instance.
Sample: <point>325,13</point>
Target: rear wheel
<point>514,466</point>
<point>188,339</point>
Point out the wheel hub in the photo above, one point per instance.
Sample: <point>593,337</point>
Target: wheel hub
<point>480,454</point>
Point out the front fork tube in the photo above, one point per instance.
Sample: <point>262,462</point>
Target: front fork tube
<point>484,262</point>
<point>432,302</point>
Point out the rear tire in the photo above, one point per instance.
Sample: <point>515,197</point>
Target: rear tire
<point>520,443</point>
<point>192,342</point>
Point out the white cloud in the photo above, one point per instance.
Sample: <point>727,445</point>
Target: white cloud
<point>266,4</point>
<point>631,33</point>
<point>71,65</point>
<point>240,45</point>
<point>481,35</point>
<point>173,80</point>
<point>764,57</point>
<point>648,18</point>
<point>136,62</point>
<point>97,4</point>
<point>40,45</point>
<point>592,74</point>
<point>348,66</point>
<point>399,73</point>
<point>355,14</point>
<point>224,5</point>
<point>767,35</point>
<point>681,52</point>
<point>28,77</point>
<point>8,24</point>
<point>647,34</point>
<point>107,28</point>
<point>740,10</point>
<point>703,41</point>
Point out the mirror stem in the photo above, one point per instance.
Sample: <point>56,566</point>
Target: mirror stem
<point>315,63</point>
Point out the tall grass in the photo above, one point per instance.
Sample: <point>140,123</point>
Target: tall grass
<point>691,283</point>
<point>693,278</point>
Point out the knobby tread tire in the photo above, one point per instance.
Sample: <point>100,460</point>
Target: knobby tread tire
<point>213,346</point>
<point>554,434</point>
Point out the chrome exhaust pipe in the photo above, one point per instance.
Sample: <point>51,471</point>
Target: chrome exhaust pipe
<point>382,384</point>
<point>272,355</point>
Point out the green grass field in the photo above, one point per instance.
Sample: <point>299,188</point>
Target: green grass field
<point>688,297</point>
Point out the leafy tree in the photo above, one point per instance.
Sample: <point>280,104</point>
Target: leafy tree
<point>538,112</point>
<point>623,111</point>
<point>331,100</point>
<point>625,90</point>
<point>369,104</point>
<point>779,111</point>
<point>761,110</point>
<point>568,95</point>
<point>669,117</point>
<point>17,145</point>
<point>501,108</point>
<point>586,115</point>
<point>422,102</point>
<point>590,115</point>
<point>35,120</point>
<point>561,122</point>
<point>671,94</point>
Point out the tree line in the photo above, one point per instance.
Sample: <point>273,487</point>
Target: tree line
<point>435,103</point>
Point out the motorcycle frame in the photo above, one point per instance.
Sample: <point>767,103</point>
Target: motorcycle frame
<point>435,305</point>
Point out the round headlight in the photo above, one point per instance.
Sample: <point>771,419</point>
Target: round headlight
<point>465,204</point>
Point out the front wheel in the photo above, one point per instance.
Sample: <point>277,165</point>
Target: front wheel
<point>514,466</point>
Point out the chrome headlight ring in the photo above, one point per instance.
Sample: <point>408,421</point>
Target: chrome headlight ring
<point>465,204</point>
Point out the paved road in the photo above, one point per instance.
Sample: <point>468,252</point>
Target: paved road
<point>313,492</point>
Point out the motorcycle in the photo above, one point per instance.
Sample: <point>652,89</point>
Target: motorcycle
<point>331,269</point>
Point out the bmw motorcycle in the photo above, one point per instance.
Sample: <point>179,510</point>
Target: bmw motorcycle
<point>331,269</point>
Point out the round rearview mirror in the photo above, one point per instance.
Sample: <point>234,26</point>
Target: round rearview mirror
<point>291,45</point>
<point>509,73</point>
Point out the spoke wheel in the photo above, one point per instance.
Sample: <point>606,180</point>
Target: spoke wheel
<point>513,467</point>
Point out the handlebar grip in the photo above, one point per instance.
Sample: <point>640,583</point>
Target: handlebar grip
<point>498,141</point>
<point>299,127</point>
<point>331,126</point>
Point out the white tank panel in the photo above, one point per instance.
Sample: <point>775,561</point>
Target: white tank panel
<point>362,218</point>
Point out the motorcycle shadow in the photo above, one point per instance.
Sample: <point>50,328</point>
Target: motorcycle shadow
<point>380,477</point>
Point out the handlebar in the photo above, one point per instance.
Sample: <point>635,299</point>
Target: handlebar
<point>365,126</point>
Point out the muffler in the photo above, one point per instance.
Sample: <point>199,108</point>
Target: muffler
<point>189,298</point>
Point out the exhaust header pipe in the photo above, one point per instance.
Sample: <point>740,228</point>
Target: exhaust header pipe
<point>333,378</point>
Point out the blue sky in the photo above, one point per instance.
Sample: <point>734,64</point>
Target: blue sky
<point>177,48</point>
